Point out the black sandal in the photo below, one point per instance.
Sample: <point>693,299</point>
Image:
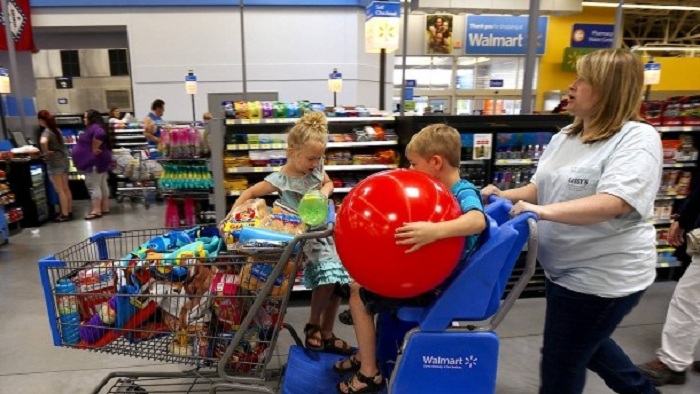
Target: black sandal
<point>344,350</point>
<point>354,366</point>
<point>345,317</point>
<point>372,386</point>
<point>310,330</point>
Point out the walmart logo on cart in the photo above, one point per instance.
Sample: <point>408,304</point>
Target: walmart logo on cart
<point>436,362</point>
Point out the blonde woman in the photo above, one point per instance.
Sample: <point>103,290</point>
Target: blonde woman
<point>594,192</point>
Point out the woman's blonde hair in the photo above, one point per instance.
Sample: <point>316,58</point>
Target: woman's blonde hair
<point>437,139</point>
<point>617,77</point>
<point>313,126</point>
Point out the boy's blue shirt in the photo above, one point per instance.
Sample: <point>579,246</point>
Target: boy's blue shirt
<point>469,200</point>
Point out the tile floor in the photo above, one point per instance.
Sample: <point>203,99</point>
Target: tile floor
<point>29,363</point>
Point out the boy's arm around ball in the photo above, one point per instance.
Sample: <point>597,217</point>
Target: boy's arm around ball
<point>420,234</point>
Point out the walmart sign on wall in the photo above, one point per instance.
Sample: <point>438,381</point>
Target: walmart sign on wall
<point>502,35</point>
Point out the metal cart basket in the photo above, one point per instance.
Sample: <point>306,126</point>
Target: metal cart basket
<point>138,177</point>
<point>220,314</point>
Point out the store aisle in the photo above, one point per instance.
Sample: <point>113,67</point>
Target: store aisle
<point>30,364</point>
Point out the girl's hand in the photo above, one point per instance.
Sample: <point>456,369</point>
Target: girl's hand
<point>417,234</point>
<point>522,206</point>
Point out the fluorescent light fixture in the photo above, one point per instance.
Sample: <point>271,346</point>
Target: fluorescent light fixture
<point>640,6</point>
<point>666,49</point>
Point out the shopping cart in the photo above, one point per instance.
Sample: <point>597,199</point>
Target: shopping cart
<point>221,315</point>
<point>138,175</point>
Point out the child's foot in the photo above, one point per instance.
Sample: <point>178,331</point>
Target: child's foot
<point>333,344</point>
<point>362,384</point>
<point>314,340</point>
<point>346,365</point>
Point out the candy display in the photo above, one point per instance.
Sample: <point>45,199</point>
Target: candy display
<point>183,142</point>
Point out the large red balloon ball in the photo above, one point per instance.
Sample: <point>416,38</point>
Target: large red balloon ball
<point>365,233</point>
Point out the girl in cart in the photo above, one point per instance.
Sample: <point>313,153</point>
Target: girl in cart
<point>323,271</point>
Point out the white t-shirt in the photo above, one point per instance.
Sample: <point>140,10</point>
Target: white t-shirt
<point>613,258</point>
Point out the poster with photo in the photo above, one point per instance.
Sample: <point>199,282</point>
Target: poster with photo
<point>438,34</point>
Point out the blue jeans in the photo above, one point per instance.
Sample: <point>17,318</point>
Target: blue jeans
<point>577,334</point>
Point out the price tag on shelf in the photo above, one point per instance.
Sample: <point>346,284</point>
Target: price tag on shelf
<point>245,121</point>
<point>265,146</point>
<point>232,170</point>
<point>231,147</point>
<point>254,120</point>
<point>258,169</point>
<point>278,146</point>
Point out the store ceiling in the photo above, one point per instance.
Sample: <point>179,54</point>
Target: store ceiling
<point>644,27</point>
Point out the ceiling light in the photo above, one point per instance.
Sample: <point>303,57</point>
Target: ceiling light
<point>640,6</point>
<point>666,49</point>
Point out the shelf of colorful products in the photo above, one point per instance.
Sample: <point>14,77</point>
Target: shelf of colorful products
<point>6,195</point>
<point>128,135</point>
<point>515,166</point>
<point>268,151</point>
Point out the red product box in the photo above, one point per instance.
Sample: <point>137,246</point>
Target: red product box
<point>690,111</point>
<point>672,111</point>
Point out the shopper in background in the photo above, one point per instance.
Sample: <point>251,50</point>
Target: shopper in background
<point>323,271</point>
<point>594,192</point>
<point>681,331</point>
<point>93,156</point>
<point>115,116</point>
<point>57,163</point>
<point>153,122</point>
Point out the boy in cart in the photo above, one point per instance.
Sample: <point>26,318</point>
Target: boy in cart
<point>435,150</point>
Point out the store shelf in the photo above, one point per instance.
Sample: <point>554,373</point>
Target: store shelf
<point>7,202</point>
<point>660,248</point>
<point>127,189</point>
<point>128,131</point>
<point>678,129</point>
<point>668,264</point>
<point>16,220</point>
<point>234,147</point>
<point>120,144</point>
<point>660,222</point>
<point>516,162</point>
<point>368,167</point>
<point>3,192</point>
<point>289,121</point>
<point>680,165</point>
<point>129,137</point>
<point>670,197</point>
<point>300,288</point>
<point>472,162</point>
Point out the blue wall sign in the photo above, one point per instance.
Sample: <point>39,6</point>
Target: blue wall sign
<point>409,94</point>
<point>411,83</point>
<point>502,35</point>
<point>585,35</point>
<point>495,83</point>
<point>383,9</point>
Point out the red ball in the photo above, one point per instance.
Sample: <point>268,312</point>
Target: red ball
<point>365,233</point>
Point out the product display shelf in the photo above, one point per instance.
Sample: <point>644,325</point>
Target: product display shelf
<point>26,178</point>
<point>680,174</point>
<point>345,175</point>
<point>678,129</point>
<point>130,137</point>
<point>234,133</point>
<point>291,121</point>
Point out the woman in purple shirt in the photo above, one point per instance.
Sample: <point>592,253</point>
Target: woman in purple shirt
<point>93,156</point>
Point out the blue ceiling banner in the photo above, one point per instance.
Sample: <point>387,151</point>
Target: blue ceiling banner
<point>586,35</point>
<point>502,35</point>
